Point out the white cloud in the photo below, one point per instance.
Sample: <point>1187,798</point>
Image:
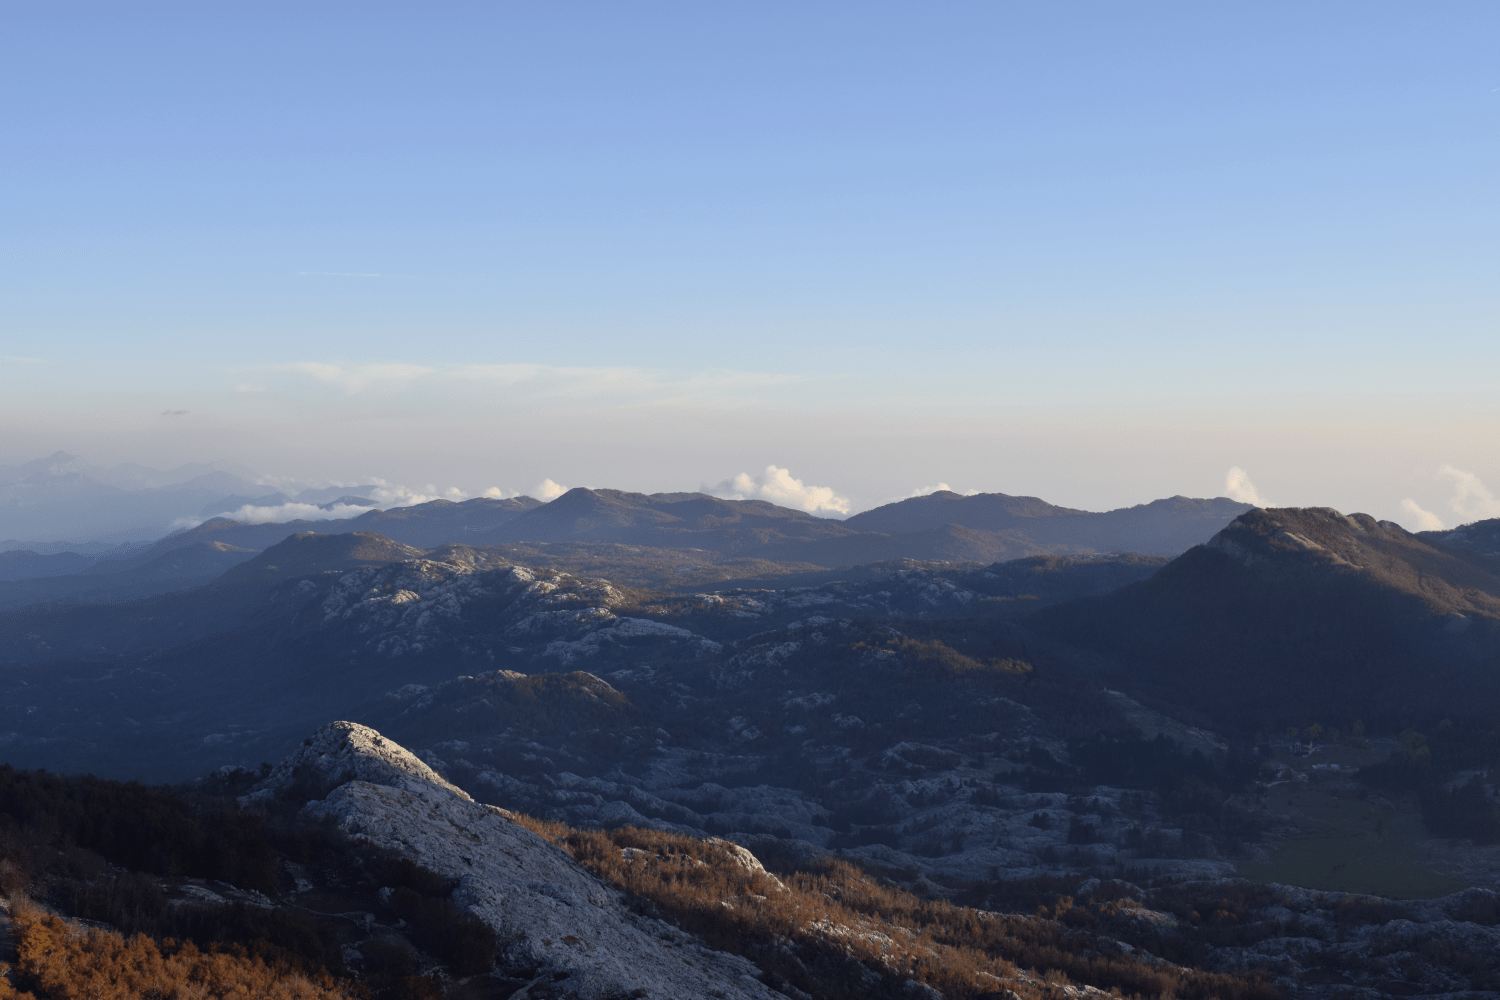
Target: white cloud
<point>358,377</point>
<point>22,361</point>
<point>1425,520</point>
<point>549,381</point>
<point>778,486</point>
<point>387,495</point>
<point>1239,487</point>
<point>548,490</point>
<point>1471,500</point>
<point>280,514</point>
<point>528,381</point>
<point>499,494</point>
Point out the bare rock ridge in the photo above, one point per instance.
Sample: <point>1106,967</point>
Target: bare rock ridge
<point>553,918</point>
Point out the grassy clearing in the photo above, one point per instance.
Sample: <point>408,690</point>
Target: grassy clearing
<point>1348,842</point>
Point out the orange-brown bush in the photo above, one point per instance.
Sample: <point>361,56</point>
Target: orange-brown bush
<point>63,960</point>
<point>937,657</point>
<point>837,917</point>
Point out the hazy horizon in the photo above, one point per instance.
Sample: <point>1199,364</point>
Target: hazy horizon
<point>776,485</point>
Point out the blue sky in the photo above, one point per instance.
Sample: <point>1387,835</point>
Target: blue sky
<point>1095,252</point>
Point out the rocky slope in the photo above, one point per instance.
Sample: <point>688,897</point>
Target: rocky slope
<point>573,937</point>
<point>569,932</point>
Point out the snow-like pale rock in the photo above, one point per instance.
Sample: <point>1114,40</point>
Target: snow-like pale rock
<point>548,912</point>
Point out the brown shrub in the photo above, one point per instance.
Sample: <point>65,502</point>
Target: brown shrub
<point>843,926</point>
<point>63,960</point>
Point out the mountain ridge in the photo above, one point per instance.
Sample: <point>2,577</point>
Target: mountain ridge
<point>758,528</point>
<point>1291,615</point>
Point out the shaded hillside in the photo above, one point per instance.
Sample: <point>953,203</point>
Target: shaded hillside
<point>438,521</point>
<point>948,542</point>
<point>319,625</point>
<point>1478,542</point>
<point>1294,616</point>
<point>156,571</point>
<point>987,511</point>
<point>24,564</point>
<point>1162,527</point>
<point>461,620</point>
<point>679,520</point>
<point>130,624</point>
<point>307,553</point>
<point>199,555</point>
<point>423,525</point>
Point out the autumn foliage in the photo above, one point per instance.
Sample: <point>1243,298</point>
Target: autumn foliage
<point>836,932</point>
<point>63,960</point>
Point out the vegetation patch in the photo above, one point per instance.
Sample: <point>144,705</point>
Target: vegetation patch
<point>61,959</point>
<point>836,932</point>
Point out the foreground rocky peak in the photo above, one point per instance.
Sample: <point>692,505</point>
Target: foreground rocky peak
<point>557,924</point>
<point>342,752</point>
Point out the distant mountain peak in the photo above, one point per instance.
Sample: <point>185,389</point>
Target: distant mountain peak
<point>307,552</point>
<point>1306,610</point>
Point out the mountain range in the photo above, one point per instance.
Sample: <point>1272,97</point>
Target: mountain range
<point>978,528</point>
<point>1000,732</point>
<point>984,673</point>
<point>718,540</point>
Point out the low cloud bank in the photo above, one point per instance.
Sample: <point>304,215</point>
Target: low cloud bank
<point>777,486</point>
<point>385,496</point>
<point>547,490</point>
<point>1238,486</point>
<point>1470,501</point>
<point>292,512</point>
<point>1422,520</point>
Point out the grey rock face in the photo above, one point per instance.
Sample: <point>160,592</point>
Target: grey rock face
<point>551,915</point>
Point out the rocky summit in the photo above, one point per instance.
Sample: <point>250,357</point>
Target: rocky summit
<point>554,919</point>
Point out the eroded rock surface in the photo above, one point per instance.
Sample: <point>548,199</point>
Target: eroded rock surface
<point>554,920</point>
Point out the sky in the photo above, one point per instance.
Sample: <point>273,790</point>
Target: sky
<point>831,253</point>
